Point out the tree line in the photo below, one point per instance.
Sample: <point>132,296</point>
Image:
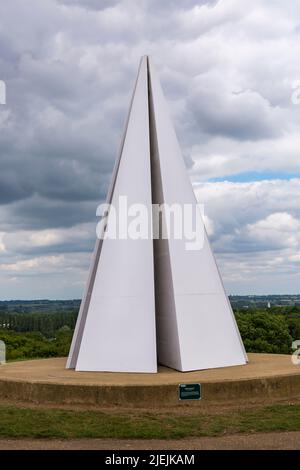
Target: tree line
<point>33,335</point>
<point>45,323</point>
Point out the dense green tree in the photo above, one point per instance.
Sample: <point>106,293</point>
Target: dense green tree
<point>46,323</point>
<point>264,332</point>
<point>294,326</point>
<point>34,344</point>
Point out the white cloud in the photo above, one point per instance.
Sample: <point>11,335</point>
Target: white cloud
<point>278,229</point>
<point>43,262</point>
<point>256,233</point>
<point>278,221</point>
<point>227,68</point>
<point>2,245</point>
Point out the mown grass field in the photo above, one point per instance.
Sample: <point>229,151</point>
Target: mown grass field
<point>17,422</point>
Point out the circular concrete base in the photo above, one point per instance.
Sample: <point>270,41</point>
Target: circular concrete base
<point>265,379</point>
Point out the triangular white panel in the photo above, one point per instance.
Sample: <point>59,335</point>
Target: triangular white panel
<point>119,330</point>
<point>192,304</point>
<point>149,300</point>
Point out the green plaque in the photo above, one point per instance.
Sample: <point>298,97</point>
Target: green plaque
<point>189,391</point>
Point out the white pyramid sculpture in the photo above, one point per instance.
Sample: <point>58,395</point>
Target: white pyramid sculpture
<point>153,301</point>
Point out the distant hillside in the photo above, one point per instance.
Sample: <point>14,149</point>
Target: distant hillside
<point>263,301</point>
<point>38,306</point>
<point>55,306</point>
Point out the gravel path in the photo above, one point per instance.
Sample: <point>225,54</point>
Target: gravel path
<point>278,440</point>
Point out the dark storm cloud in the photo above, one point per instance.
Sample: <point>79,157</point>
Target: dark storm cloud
<point>13,186</point>
<point>154,6</point>
<point>60,128</point>
<point>40,213</point>
<point>167,5</point>
<point>90,4</point>
<point>56,169</point>
<point>238,115</point>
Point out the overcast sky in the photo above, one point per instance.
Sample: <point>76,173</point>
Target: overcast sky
<point>228,69</point>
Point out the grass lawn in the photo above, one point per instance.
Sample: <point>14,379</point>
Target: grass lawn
<point>56,423</point>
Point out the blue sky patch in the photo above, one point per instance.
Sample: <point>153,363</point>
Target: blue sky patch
<point>255,176</point>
